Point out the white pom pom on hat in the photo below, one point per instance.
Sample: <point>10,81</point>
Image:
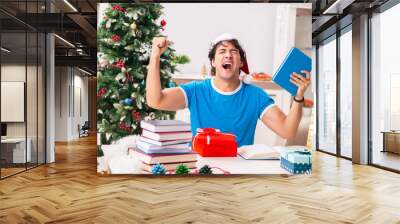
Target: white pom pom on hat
<point>229,36</point>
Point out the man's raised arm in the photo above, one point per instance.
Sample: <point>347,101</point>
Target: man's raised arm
<point>286,126</point>
<point>170,98</point>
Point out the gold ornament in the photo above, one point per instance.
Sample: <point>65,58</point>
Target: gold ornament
<point>203,70</point>
<point>133,26</point>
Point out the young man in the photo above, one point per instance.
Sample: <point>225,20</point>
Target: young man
<point>224,101</point>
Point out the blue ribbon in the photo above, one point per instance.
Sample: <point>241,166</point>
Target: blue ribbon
<point>305,152</point>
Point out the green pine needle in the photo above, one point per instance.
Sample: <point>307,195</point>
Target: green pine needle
<point>205,170</point>
<point>181,169</point>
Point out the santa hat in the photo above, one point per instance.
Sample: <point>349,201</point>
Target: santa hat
<point>228,36</point>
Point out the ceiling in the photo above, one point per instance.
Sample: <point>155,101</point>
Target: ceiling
<point>330,16</point>
<point>75,21</point>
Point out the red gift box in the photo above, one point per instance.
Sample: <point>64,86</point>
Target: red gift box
<point>210,142</point>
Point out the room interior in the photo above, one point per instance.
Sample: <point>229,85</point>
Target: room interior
<point>353,127</point>
<point>22,101</point>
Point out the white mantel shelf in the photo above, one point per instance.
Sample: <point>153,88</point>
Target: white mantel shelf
<point>185,78</point>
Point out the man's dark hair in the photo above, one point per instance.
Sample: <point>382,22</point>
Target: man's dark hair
<point>234,42</point>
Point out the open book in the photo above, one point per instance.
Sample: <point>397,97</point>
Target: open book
<point>258,151</point>
<point>264,152</point>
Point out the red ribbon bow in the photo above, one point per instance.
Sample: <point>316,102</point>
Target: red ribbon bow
<point>207,130</point>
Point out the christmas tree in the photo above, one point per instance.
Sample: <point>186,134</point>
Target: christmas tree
<point>124,40</point>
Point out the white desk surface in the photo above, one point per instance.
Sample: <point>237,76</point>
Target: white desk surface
<point>117,161</point>
<point>238,165</point>
<point>220,165</point>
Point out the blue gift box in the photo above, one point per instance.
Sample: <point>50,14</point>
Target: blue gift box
<point>297,162</point>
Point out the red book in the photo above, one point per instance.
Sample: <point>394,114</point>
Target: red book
<point>162,158</point>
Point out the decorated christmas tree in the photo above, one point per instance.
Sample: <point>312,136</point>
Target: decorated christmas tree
<point>124,40</point>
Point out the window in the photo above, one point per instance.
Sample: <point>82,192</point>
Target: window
<point>346,93</point>
<point>327,96</point>
<point>385,89</point>
<point>22,75</point>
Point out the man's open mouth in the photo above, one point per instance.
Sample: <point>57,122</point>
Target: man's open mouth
<point>227,65</point>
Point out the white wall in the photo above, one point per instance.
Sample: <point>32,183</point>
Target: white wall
<point>61,108</point>
<point>192,27</point>
<point>79,117</point>
<point>67,114</point>
<point>33,126</point>
<point>12,73</point>
<point>303,34</point>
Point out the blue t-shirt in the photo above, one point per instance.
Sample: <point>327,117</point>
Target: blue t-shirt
<point>235,112</point>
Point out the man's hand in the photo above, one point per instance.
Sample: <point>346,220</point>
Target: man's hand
<point>170,99</point>
<point>160,44</point>
<point>301,82</point>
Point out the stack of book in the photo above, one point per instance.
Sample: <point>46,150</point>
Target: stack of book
<point>166,142</point>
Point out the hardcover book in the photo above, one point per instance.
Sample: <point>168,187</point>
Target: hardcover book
<point>161,136</point>
<point>165,125</point>
<point>295,61</point>
<point>162,158</point>
<point>164,143</point>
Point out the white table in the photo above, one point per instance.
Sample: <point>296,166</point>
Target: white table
<point>117,160</point>
<point>220,165</point>
<point>18,149</point>
<point>238,165</point>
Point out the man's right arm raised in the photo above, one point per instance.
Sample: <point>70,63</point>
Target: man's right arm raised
<point>170,99</point>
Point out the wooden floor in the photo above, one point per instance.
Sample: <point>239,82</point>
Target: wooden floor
<point>387,159</point>
<point>10,171</point>
<point>70,191</point>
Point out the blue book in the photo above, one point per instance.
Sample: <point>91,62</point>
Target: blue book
<point>295,61</point>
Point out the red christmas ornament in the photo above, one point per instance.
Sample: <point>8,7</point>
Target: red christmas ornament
<point>123,126</point>
<point>120,63</point>
<point>118,7</point>
<point>101,92</point>
<point>136,115</point>
<point>115,38</point>
<point>163,23</point>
